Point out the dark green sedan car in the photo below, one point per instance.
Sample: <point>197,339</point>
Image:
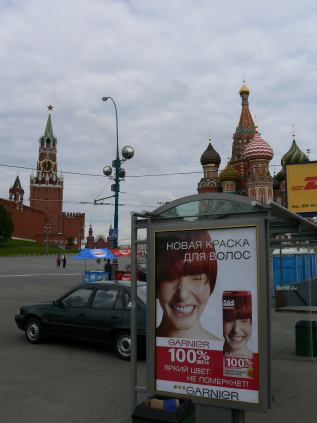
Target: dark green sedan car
<point>94,311</point>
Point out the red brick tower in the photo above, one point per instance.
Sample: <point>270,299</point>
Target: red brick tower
<point>16,193</point>
<point>90,243</point>
<point>46,186</point>
<point>244,132</point>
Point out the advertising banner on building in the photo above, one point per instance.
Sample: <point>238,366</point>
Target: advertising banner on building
<point>207,313</point>
<point>301,180</point>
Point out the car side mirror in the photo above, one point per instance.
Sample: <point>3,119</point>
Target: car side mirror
<point>58,303</point>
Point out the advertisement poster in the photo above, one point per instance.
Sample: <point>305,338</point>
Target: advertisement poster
<point>206,287</point>
<point>301,182</point>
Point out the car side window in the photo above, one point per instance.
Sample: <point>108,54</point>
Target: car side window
<point>105,298</point>
<point>78,298</point>
<point>127,298</point>
<point>119,302</point>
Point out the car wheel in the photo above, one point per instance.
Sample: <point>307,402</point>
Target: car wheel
<point>34,331</point>
<point>122,345</point>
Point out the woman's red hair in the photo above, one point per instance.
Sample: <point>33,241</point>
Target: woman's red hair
<point>171,263</point>
<point>242,308</point>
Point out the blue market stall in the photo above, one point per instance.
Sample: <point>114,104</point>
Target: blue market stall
<point>94,254</point>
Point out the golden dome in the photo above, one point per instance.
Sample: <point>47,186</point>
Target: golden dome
<point>244,89</point>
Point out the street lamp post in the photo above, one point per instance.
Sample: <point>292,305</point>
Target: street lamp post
<point>46,229</point>
<point>119,174</point>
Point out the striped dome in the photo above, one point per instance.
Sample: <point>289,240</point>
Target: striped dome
<point>228,174</point>
<point>257,148</point>
<point>210,156</point>
<point>294,155</point>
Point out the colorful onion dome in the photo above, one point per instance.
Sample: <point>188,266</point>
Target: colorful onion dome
<point>244,89</point>
<point>257,148</point>
<point>280,176</point>
<point>210,156</point>
<point>228,174</point>
<point>294,155</point>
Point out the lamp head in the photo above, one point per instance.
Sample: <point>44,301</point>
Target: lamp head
<point>107,170</point>
<point>121,173</point>
<point>127,152</point>
<point>105,98</point>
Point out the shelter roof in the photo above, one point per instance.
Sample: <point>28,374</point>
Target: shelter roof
<point>286,228</point>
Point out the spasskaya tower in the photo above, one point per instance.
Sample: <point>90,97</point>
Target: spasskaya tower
<point>46,185</point>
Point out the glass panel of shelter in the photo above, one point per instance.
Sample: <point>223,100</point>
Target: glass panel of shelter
<point>294,324</point>
<point>207,207</point>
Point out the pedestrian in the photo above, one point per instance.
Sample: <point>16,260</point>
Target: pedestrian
<point>58,260</point>
<point>108,270</point>
<point>64,261</point>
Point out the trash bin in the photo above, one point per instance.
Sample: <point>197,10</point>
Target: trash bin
<point>306,338</point>
<point>185,413</point>
<point>280,298</point>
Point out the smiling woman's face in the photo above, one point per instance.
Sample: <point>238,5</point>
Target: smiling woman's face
<point>183,300</point>
<point>237,333</point>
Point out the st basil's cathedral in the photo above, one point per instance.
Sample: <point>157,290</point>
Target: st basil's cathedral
<point>247,172</point>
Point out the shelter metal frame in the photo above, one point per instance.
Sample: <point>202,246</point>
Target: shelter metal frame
<point>285,229</point>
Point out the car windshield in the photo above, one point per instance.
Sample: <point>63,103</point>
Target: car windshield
<point>141,291</point>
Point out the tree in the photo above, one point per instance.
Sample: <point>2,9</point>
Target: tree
<point>6,224</point>
<point>70,241</point>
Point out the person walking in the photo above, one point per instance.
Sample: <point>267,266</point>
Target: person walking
<point>64,261</point>
<point>108,270</point>
<point>58,260</point>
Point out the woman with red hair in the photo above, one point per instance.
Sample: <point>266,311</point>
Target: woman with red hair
<point>237,321</point>
<point>186,272</point>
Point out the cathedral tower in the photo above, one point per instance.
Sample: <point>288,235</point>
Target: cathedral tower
<point>244,132</point>
<point>228,178</point>
<point>210,161</point>
<point>46,185</point>
<point>293,155</point>
<point>259,182</point>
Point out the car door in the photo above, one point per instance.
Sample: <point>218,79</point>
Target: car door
<point>104,314</point>
<point>141,313</point>
<point>68,316</point>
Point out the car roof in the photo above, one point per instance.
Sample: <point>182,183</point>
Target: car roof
<point>104,283</point>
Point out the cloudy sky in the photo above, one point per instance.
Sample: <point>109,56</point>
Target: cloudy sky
<point>174,69</point>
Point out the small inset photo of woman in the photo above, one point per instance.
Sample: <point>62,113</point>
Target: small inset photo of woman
<point>237,332</point>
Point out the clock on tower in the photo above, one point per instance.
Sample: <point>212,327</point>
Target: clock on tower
<point>47,165</point>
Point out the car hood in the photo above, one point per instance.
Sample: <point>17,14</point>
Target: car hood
<point>43,305</point>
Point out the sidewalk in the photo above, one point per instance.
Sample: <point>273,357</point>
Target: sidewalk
<point>298,309</point>
<point>294,378</point>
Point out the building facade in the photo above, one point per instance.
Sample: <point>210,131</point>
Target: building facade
<point>100,241</point>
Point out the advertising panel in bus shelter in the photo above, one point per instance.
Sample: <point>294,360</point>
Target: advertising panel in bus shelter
<point>207,314</point>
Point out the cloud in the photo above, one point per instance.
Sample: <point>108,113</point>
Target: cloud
<point>174,70</point>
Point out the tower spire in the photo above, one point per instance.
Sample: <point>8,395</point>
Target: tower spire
<point>246,127</point>
<point>245,131</point>
<point>293,131</point>
<point>48,133</point>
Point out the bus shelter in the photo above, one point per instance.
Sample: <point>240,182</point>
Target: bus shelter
<point>209,298</point>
